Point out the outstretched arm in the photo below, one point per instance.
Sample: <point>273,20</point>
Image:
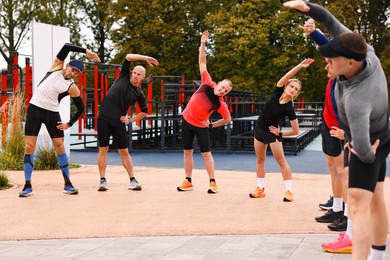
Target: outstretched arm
<point>63,53</point>
<point>320,14</point>
<point>202,52</point>
<point>304,64</point>
<point>150,60</point>
<point>318,37</point>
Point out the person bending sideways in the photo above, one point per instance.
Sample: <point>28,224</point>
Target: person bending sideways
<point>207,99</point>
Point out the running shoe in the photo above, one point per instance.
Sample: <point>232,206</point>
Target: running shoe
<point>27,191</point>
<point>185,186</point>
<point>342,245</point>
<point>330,216</point>
<point>339,224</point>
<point>327,205</point>
<point>257,193</point>
<point>134,185</point>
<point>103,185</point>
<point>69,189</point>
<point>213,187</point>
<point>288,196</point>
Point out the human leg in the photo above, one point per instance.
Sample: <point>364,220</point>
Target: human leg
<point>278,153</point>
<point>261,153</point>
<point>58,144</point>
<point>359,204</point>
<point>380,220</point>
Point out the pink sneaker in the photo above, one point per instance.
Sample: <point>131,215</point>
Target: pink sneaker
<point>343,245</point>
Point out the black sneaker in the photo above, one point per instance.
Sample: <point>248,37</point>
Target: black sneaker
<point>339,224</point>
<point>328,205</point>
<point>330,216</point>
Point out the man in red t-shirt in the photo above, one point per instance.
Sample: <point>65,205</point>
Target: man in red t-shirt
<point>207,99</point>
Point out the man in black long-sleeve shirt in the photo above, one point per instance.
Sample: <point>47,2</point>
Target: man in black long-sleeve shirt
<point>124,92</point>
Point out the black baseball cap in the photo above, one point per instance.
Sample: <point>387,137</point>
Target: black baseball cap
<point>77,65</point>
<point>341,46</point>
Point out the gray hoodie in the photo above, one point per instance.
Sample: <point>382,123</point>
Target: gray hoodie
<point>362,101</point>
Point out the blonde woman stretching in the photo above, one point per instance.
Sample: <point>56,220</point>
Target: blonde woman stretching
<point>267,131</point>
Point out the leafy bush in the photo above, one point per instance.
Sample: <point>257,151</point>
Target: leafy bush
<point>4,182</point>
<point>12,155</point>
<point>46,158</point>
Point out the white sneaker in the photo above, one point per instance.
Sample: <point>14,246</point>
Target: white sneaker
<point>103,185</point>
<point>134,185</point>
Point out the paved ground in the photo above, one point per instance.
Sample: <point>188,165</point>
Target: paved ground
<point>161,223</point>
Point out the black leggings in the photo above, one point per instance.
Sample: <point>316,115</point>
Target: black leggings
<point>188,132</point>
<point>37,116</point>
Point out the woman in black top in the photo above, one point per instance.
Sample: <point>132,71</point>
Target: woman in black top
<point>267,131</point>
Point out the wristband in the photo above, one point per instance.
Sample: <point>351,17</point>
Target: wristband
<point>210,125</point>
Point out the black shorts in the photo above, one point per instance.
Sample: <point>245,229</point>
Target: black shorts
<point>188,132</point>
<point>115,127</point>
<point>266,137</point>
<point>365,176</point>
<point>37,116</point>
<point>330,145</point>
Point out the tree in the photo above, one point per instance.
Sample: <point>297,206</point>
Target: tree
<point>100,20</point>
<point>256,43</point>
<point>62,13</point>
<point>167,30</point>
<point>15,18</point>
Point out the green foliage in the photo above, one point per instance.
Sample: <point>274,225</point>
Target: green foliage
<point>11,156</point>
<point>45,158</point>
<point>4,182</point>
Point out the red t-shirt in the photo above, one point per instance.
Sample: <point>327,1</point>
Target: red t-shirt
<point>329,114</point>
<point>200,106</point>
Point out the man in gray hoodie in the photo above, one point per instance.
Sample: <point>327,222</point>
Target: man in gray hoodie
<point>362,103</point>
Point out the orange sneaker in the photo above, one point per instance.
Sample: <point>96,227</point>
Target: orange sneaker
<point>257,193</point>
<point>213,187</point>
<point>342,245</point>
<point>288,197</point>
<point>186,185</point>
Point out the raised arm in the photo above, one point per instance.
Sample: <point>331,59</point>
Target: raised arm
<point>150,60</point>
<point>304,64</point>
<point>318,37</point>
<point>320,14</point>
<point>63,53</point>
<point>202,52</point>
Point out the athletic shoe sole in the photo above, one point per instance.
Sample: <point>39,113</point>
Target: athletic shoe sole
<point>71,192</point>
<point>287,200</point>
<point>21,195</point>
<point>101,188</point>
<point>324,207</point>
<point>136,188</point>
<point>212,192</point>
<point>181,189</point>
<point>344,250</point>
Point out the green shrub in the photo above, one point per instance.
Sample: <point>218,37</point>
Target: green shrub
<point>12,154</point>
<point>46,158</point>
<point>4,182</point>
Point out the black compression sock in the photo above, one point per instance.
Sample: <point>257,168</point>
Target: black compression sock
<point>189,179</point>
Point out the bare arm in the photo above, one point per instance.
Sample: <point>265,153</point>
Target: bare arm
<point>220,122</point>
<point>150,60</point>
<point>202,52</point>
<point>126,120</point>
<point>304,64</point>
<point>294,129</point>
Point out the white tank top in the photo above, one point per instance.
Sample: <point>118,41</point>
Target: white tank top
<point>51,90</point>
